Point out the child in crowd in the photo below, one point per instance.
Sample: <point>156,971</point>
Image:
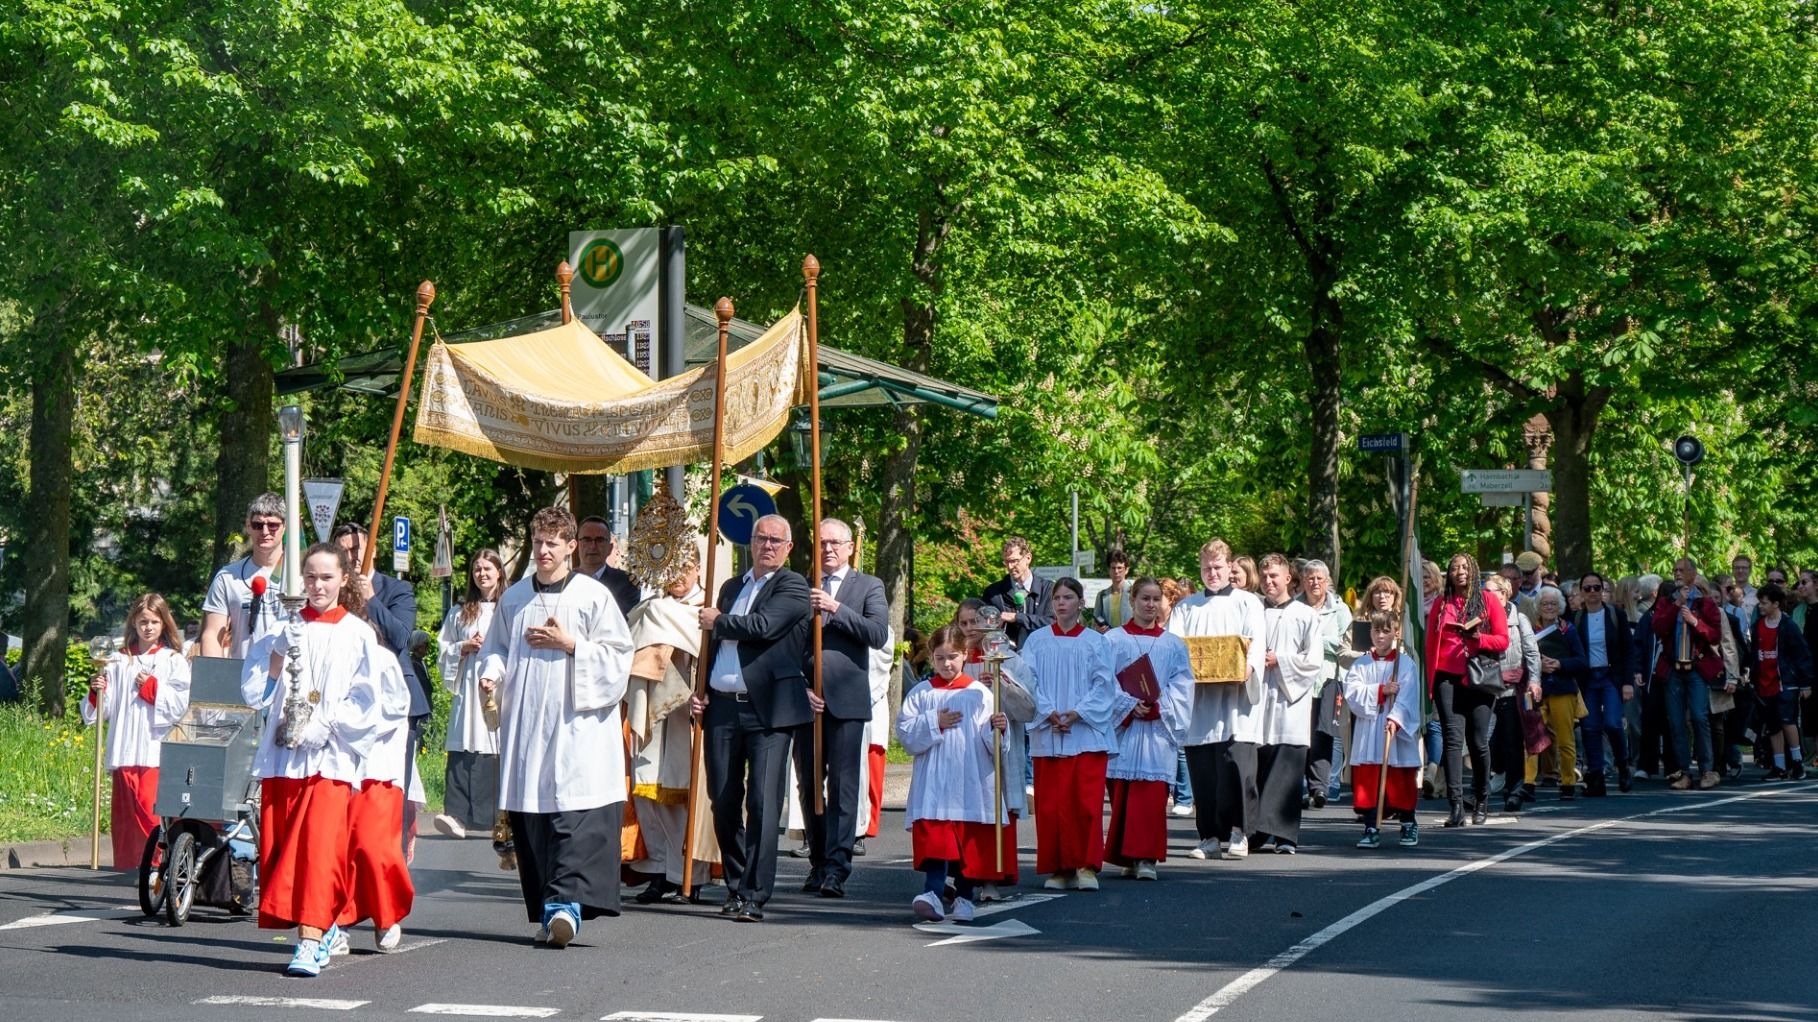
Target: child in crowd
<point>307,786</point>
<point>1018,705</point>
<point>379,886</point>
<point>1381,689</point>
<point>140,694</point>
<point>1153,666</point>
<point>1078,705</point>
<point>946,723</point>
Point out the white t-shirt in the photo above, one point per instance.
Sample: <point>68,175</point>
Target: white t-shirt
<point>230,593</point>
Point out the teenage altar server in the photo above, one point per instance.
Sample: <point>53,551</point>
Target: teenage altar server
<point>947,724</point>
<point>1152,666</point>
<point>140,694</point>
<point>1295,659</point>
<point>559,657</point>
<point>307,785</point>
<point>379,886</point>
<point>1077,706</point>
<point>1225,728</point>
<point>973,618</point>
<point>471,779</point>
<point>1381,689</point>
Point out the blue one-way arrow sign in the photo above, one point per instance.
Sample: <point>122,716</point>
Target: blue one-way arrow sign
<point>740,509</point>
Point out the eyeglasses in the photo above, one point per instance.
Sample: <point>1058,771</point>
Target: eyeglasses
<point>1590,589</point>
<point>265,526</point>
<point>769,540</point>
<point>836,543</point>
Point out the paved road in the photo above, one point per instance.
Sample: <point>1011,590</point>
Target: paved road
<point>1650,906</point>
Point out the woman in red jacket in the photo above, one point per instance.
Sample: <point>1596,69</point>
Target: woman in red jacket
<point>1461,624</point>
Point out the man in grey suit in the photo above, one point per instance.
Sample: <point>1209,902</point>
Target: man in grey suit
<point>854,621</point>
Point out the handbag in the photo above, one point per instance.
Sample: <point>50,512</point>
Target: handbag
<point>1484,671</point>
<point>1534,737</point>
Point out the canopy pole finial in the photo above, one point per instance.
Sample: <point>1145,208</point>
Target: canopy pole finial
<point>565,277</point>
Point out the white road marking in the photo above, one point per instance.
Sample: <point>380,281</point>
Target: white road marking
<point>675,1016</point>
<point>1015,902</point>
<point>60,918</point>
<point>282,1002</point>
<point>957,934</point>
<point>1225,996</point>
<point>486,1010</point>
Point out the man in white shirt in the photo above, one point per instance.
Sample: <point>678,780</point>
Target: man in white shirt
<point>242,601</point>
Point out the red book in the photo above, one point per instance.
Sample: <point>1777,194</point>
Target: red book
<point>1139,680</point>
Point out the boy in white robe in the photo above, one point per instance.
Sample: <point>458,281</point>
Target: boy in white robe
<point>1295,661</point>
<point>1153,666</point>
<point>1225,729</point>
<point>559,657</point>
<point>1381,689</point>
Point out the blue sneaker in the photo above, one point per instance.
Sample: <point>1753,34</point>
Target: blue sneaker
<point>310,958</point>
<point>1372,838</point>
<point>563,920</point>
<point>335,941</point>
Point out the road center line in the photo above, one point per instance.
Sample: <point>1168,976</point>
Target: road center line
<point>60,918</point>
<point>282,1002</point>
<point>1225,996</point>
<point>485,1010</point>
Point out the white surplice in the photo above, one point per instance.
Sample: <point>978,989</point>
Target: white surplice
<point>953,777</point>
<point>1072,671</point>
<point>135,726</point>
<point>1300,660</point>
<point>1149,750</point>
<point>1363,694</point>
<point>467,730</point>
<point>1019,706</point>
<point>340,657</point>
<point>561,747</point>
<point>391,736</point>
<point>1225,712</point>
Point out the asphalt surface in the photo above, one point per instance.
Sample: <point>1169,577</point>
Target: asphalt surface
<point>1655,905</point>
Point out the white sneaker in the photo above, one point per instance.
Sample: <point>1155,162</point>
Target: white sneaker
<point>308,960</point>
<point>1239,848</point>
<point>450,826</point>
<point>389,938</point>
<point>1145,871</point>
<point>335,940</point>
<point>928,907</point>
<point>989,892</point>
<point>1057,882</point>
<point>962,911</point>
<point>562,927</point>
<point>1204,850</point>
<point>1181,811</point>
<point>1085,880</point>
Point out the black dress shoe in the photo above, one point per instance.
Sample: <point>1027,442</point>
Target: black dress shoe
<point>656,891</point>
<point>833,888</point>
<point>1480,813</point>
<point>812,884</point>
<point>858,847</point>
<point>1457,816</point>
<point>749,914</point>
<point>734,905</point>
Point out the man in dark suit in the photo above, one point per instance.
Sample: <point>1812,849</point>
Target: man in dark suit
<point>595,545</point>
<point>1021,599</point>
<point>391,606</point>
<point>757,697</point>
<point>854,621</point>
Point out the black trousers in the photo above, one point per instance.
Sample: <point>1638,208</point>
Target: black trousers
<point>1225,797</point>
<point>747,765</point>
<point>1509,752</point>
<point>569,857</point>
<point>830,834</point>
<point>1464,718</point>
<point>1657,757</point>
<point>1325,731</point>
<point>1280,770</point>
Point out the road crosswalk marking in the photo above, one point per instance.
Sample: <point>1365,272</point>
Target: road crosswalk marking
<point>242,1001</point>
<point>485,1010</point>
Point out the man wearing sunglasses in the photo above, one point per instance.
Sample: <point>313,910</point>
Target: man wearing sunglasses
<point>1604,684</point>
<point>242,599</point>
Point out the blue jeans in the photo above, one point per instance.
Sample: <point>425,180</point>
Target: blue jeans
<point>1436,743</point>
<point>1688,696</point>
<point>1183,785</point>
<point>1603,697</point>
<point>1338,765</point>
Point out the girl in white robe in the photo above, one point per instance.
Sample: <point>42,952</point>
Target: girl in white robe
<point>1078,704</point>
<point>1019,706</point>
<point>947,724</point>
<point>1380,687</point>
<point>471,788</point>
<point>1160,675</point>
<point>140,694</point>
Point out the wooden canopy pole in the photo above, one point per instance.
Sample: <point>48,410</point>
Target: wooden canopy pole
<point>565,279</point>
<point>426,293</point>
<point>1407,552</point>
<point>704,662</point>
<point>811,273</point>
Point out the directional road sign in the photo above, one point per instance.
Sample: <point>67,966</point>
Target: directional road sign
<point>740,509</point>
<point>1506,480</point>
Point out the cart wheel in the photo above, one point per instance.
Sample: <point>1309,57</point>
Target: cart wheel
<point>151,879</point>
<point>180,879</point>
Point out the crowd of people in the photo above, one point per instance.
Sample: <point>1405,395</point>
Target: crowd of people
<point>587,700</point>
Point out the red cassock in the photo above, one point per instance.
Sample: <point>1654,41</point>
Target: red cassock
<point>134,818</point>
<point>1069,812</point>
<point>379,884</point>
<point>878,761</point>
<point>1401,792</point>
<point>967,843</point>
<point>303,855</point>
<point>1139,822</point>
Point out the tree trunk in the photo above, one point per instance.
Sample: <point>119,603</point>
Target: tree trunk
<point>243,463</point>
<point>45,621</point>
<point>1574,421</point>
<point>1322,347</point>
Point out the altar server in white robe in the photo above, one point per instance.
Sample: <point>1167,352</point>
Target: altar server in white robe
<point>877,743</point>
<point>379,884</point>
<point>140,693</point>
<point>1225,729</point>
<point>559,657</point>
<point>471,781</point>
<point>974,617</point>
<point>1151,665</point>
<point>1295,660</point>
<point>1078,705</point>
<point>666,632</point>
<point>1383,688</point>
